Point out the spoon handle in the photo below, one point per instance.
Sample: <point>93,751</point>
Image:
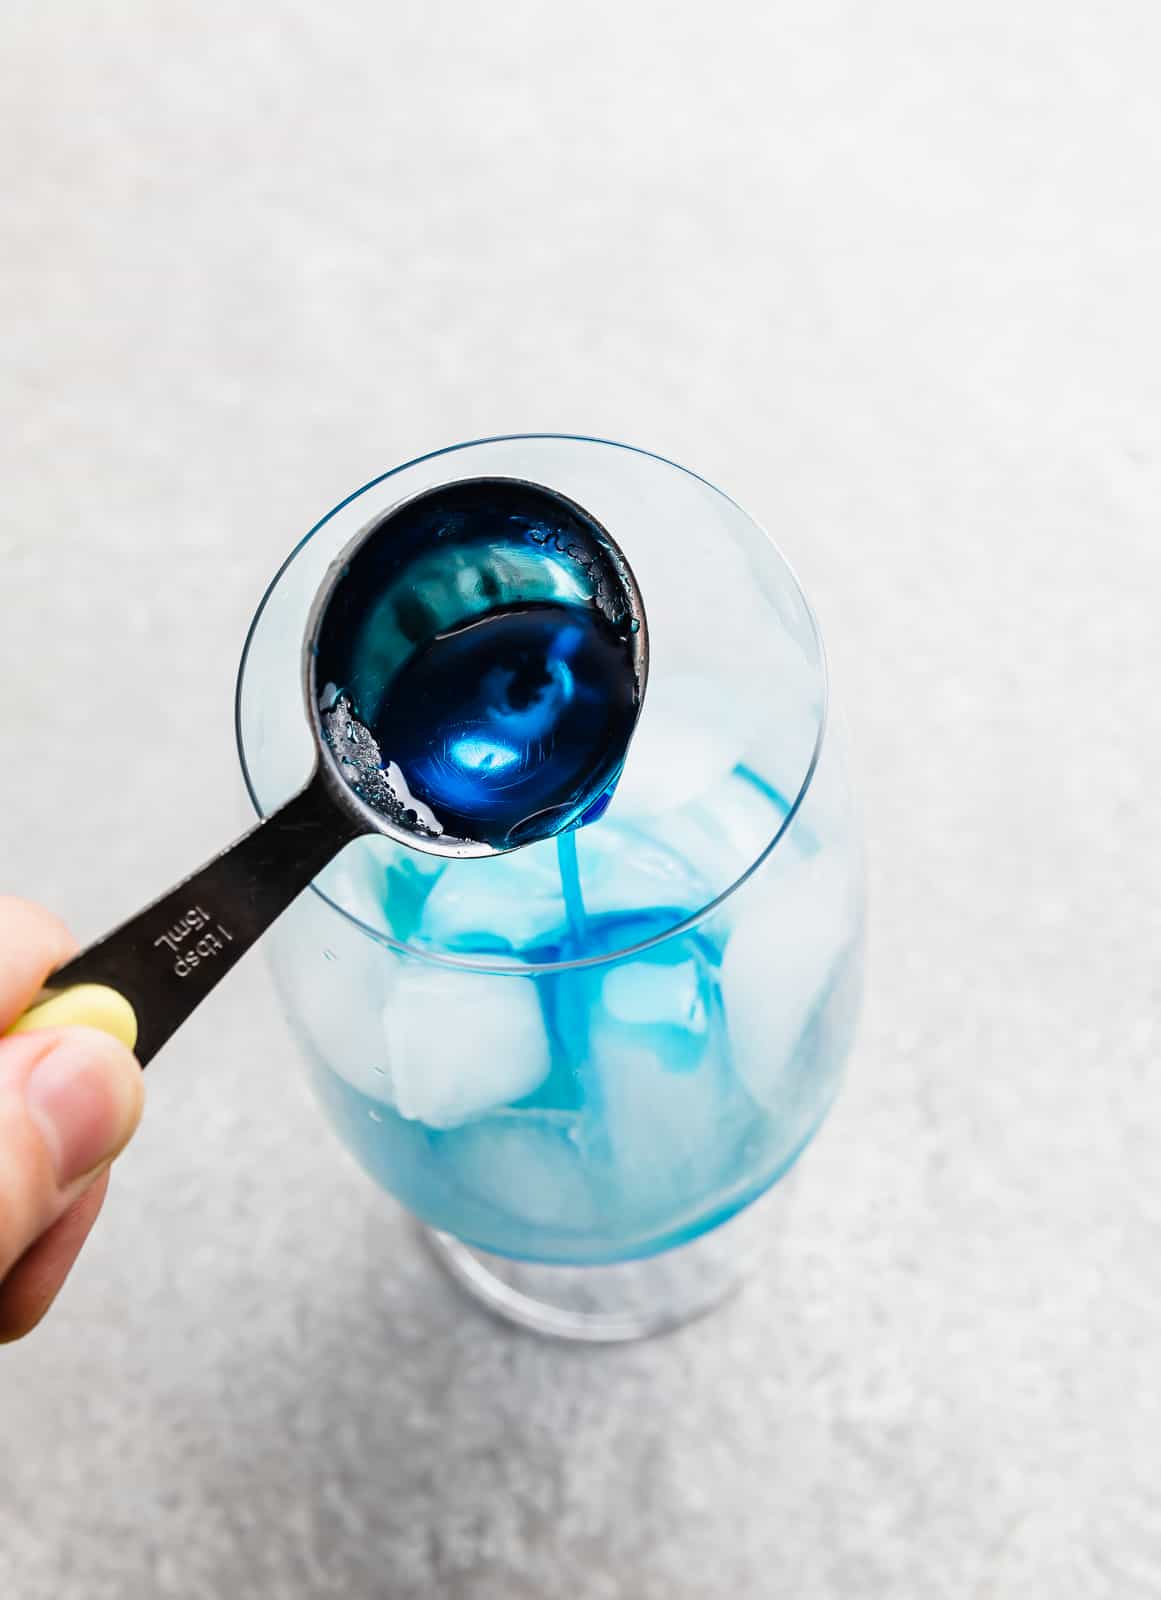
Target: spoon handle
<point>141,981</point>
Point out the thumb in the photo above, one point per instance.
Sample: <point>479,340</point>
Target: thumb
<point>70,1099</point>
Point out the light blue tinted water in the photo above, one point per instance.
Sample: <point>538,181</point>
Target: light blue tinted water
<point>595,1114</point>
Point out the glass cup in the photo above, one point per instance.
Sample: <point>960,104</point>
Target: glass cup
<point>579,1067</point>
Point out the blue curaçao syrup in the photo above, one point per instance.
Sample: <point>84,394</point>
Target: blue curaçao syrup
<point>482,664</point>
<point>500,724</point>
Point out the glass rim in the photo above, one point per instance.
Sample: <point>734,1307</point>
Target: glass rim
<point>511,968</point>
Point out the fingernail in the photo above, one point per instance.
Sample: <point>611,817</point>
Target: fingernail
<point>84,1102</point>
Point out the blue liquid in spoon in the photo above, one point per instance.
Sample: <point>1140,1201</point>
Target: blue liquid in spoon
<point>483,662</point>
<point>499,725</point>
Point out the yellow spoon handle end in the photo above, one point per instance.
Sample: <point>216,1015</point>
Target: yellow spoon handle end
<point>86,1005</point>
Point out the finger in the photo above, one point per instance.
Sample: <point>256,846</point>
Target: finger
<point>32,944</point>
<point>36,1279</point>
<point>69,1100</point>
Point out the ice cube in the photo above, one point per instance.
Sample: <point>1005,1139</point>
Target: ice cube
<point>659,992</point>
<point>460,1043</point>
<point>515,898</point>
<point>670,1134</point>
<point>781,957</point>
<point>623,869</point>
<point>382,884</point>
<point>702,716</point>
<point>528,1165</point>
<point>356,880</point>
<point>691,732</point>
<point>670,1111</point>
<point>335,982</point>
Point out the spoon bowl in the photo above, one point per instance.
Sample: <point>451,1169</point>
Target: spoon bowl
<point>474,665</point>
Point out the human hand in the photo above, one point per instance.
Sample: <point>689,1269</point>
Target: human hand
<point>70,1099</point>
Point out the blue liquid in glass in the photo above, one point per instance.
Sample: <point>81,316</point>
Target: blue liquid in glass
<point>581,1113</point>
<point>635,1127</point>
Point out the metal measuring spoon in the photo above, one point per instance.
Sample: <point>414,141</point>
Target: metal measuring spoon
<point>429,565</point>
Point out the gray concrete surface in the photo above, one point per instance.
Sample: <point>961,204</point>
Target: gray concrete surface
<point>890,274</point>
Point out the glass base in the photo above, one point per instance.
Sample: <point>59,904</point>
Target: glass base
<point>628,1300</point>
